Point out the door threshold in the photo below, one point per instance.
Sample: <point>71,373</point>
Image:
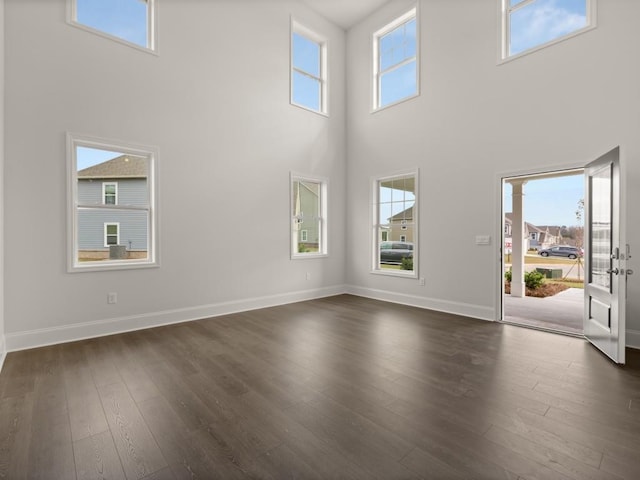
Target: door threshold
<point>543,329</point>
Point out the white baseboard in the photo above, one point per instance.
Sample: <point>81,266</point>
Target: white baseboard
<point>633,339</point>
<point>457,308</point>
<point>3,350</point>
<point>68,333</point>
<point>81,331</point>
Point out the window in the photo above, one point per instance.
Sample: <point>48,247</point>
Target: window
<point>128,21</point>
<point>532,24</point>
<point>395,59</point>
<point>308,69</point>
<point>110,193</point>
<point>395,225</point>
<point>308,217</point>
<point>112,215</point>
<point>111,234</point>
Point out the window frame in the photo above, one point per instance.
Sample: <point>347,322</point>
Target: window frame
<point>152,16</point>
<point>323,79</point>
<point>376,237</point>
<point>505,35</point>
<point>323,250</point>
<point>104,193</point>
<point>107,235</point>
<point>377,75</point>
<point>74,141</point>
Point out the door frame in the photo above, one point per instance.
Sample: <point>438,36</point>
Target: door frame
<point>499,227</point>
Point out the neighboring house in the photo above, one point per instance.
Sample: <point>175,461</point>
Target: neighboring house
<point>508,230</point>
<point>551,235</point>
<point>537,237</point>
<point>307,210</point>
<point>401,227</point>
<point>119,181</point>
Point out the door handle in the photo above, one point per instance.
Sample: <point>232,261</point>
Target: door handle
<point>615,271</point>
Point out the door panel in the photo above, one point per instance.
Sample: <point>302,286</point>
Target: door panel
<point>604,290</point>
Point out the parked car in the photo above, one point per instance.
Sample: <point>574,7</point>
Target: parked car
<point>394,252</point>
<point>561,251</point>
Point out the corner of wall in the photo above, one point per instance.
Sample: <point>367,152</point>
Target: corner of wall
<point>3,348</point>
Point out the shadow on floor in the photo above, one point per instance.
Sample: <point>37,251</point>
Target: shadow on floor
<point>562,312</point>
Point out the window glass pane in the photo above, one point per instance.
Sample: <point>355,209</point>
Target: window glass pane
<point>125,19</point>
<point>542,21</point>
<point>306,55</point>
<point>601,241</point>
<point>398,84</point>
<point>398,45</point>
<point>513,3</point>
<point>105,178</point>
<point>307,222</point>
<point>129,172</point>
<point>396,224</point>
<point>306,91</point>
<point>94,224</point>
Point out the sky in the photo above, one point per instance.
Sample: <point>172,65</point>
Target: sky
<point>126,19</point>
<point>87,157</point>
<point>552,201</point>
<point>543,21</point>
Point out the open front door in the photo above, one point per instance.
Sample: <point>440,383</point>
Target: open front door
<point>604,311</point>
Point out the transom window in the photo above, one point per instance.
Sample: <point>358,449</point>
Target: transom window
<point>308,217</point>
<point>308,69</point>
<point>532,24</point>
<point>128,21</point>
<point>112,214</point>
<point>395,52</point>
<point>395,225</point>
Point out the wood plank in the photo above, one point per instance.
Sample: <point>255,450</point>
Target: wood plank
<point>96,458</point>
<point>15,435</point>
<point>138,451</point>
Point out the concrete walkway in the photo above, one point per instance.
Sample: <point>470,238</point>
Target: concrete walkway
<point>563,311</point>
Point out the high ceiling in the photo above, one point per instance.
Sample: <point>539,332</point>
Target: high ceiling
<point>345,13</point>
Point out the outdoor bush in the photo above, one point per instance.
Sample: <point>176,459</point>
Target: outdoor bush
<point>533,279</point>
<point>507,276</point>
<point>407,264</point>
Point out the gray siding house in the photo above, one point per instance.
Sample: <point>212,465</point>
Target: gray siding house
<point>121,181</point>
<point>307,210</point>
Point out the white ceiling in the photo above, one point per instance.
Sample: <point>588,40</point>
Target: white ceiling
<point>345,13</point>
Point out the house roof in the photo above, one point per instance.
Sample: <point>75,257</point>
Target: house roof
<point>404,215</point>
<point>124,166</point>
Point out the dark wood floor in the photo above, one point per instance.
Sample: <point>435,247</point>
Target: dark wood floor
<point>342,387</point>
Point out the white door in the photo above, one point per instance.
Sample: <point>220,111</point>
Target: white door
<point>604,297</point>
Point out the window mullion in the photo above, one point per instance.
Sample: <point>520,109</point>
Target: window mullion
<point>396,66</point>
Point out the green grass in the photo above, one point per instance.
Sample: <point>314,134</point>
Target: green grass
<point>569,282</point>
<point>539,260</point>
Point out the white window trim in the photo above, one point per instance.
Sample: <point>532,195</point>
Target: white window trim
<point>73,265</point>
<point>504,37</point>
<point>300,29</point>
<point>324,188</point>
<point>152,22</point>
<point>376,74</point>
<point>104,192</point>
<point>375,217</point>
<point>108,224</point>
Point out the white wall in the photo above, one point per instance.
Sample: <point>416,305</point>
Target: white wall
<point>561,106</point>
<point>215,101</point>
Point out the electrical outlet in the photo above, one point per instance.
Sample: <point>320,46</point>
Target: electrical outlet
<point>308,276</point>
<point>112,297</point>
<point>422,282</point>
